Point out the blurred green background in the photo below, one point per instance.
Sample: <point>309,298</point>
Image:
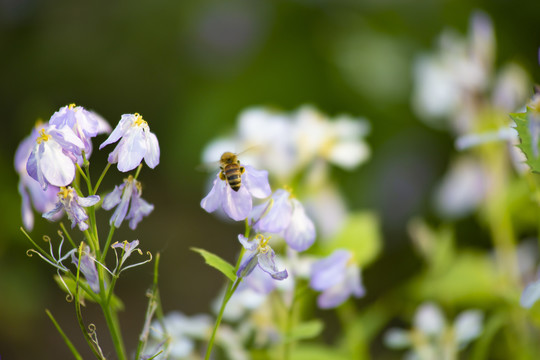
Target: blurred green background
<point>190,67</point>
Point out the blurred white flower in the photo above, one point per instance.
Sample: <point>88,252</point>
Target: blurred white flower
<point>431,338</point>
<point>462,189</point>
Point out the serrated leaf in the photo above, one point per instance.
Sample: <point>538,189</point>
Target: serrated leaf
<point>217,263</point>
<point>116,303</point>
<point>528,128</point>
<point>361,235</point>
<point>305,330</point>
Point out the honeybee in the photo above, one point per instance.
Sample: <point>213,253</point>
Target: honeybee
<point>231,171</point>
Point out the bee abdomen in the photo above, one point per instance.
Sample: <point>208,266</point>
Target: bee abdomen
<point>233,175</point>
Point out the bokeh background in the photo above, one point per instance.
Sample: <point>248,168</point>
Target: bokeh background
<point>190,67</point>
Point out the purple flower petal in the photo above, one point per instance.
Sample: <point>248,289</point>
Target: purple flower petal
<point>267,262</point>
<point>300,234</point>
<point>248,245</point>
<point>256,182</point>
<point>121,211</point>
<point>26,208</point>
<point>139,209</point>
<point>132,149</point>
<point>57,168</point>
<point>237,204</point>
<point>113,198</point>
<point>119,131</point>
<point>330,270</point>
<point>333,296</point>
<point>50,214</point>
<point>88,268</point>
<point>279,217</point>
<point>212,201</point>
<point>88,201</point>
<point>249,261</point>
<point>152,150</point>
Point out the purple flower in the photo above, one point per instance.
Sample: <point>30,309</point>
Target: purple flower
<point>127,249</point>
<point>88,268</point>
<point>121,196</point>
<point>30,190</point>
<point>259,252</point>
<point>52,161</point>
<point>69,201</point>
<point>238,204</point>
<point>137,143</point>
<point>85,124</point>
<point>286,217</point>
<point>338,278</point>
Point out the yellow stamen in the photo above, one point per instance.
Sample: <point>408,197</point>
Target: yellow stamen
<point>289,190</point>
<point>43,136</point>
<point>39,123</point>
<point>71,106</point>
<point>263,243</point>
<point>65,192</point>
<point>139,121</point>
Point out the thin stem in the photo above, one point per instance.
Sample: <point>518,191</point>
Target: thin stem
<point>81,173</point>
<point>108,243</point>
<point>231,288</point>
<point>64,336</point>
<point>78,311</point>
<point>67,235</point>
<point>138,171</point>
<point>101,178</point>
<point>150,310</point>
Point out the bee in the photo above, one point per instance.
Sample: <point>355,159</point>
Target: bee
<point>231,171</point>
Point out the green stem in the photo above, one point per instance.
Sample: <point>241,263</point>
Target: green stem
<point>64,336</point>
<point>231,288</point>
<point>101,178</point>
<point>107,244</point>
<point>138,171</point>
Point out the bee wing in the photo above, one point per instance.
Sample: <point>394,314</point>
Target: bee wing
<point>208,167</point>
<point>252,148</point>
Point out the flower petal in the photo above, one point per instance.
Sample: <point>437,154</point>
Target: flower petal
<point>237,204</point>
<point>300,234</point>
<point>256,182</point>
<point>248,245</point>
<point>333,296</point>
<point>468,326</point>
<point>212,201</point>
<point>267,262</point>
<point>249,261</point>
<point>119,131</point>
<point>88,201</point>
<point>113,198</point>
<point>58,169</point>
<point>429,319</point>
<point>152,150</point>
<point>131,150</point>
<point>530,295</point>
<point>329,271</point>
<point>279,216</point>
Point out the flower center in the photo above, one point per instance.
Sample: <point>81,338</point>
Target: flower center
<point>263,243</point>
<point>139,121</point>
<point>43,136</point>
<point>65,192</point>
<point>289,189</point>
<point>71,106</point>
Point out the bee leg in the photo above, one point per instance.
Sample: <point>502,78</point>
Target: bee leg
<point>221,175</point>
<point>242,170</point>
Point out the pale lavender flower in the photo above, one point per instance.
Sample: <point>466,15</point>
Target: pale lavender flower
<point>238,204</point>
<point>286,217</point>
<point>127,249</point>
<point>338,277</point>
<point>85,124</point>
<point>52,161</point>
<point>88,268</point>
<point>122,196</point>
<point>531,293</point>
<point>137,143</point>
<point>258,252</point>
<point>31,192</point>
<point>73,204</point>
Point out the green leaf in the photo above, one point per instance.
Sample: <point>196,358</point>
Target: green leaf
<point>305,330</point>
<point>317,352</point>
<point>116,303</point>
<point>529,141</point>
<point>361,235</point>
<point>217,263</point>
